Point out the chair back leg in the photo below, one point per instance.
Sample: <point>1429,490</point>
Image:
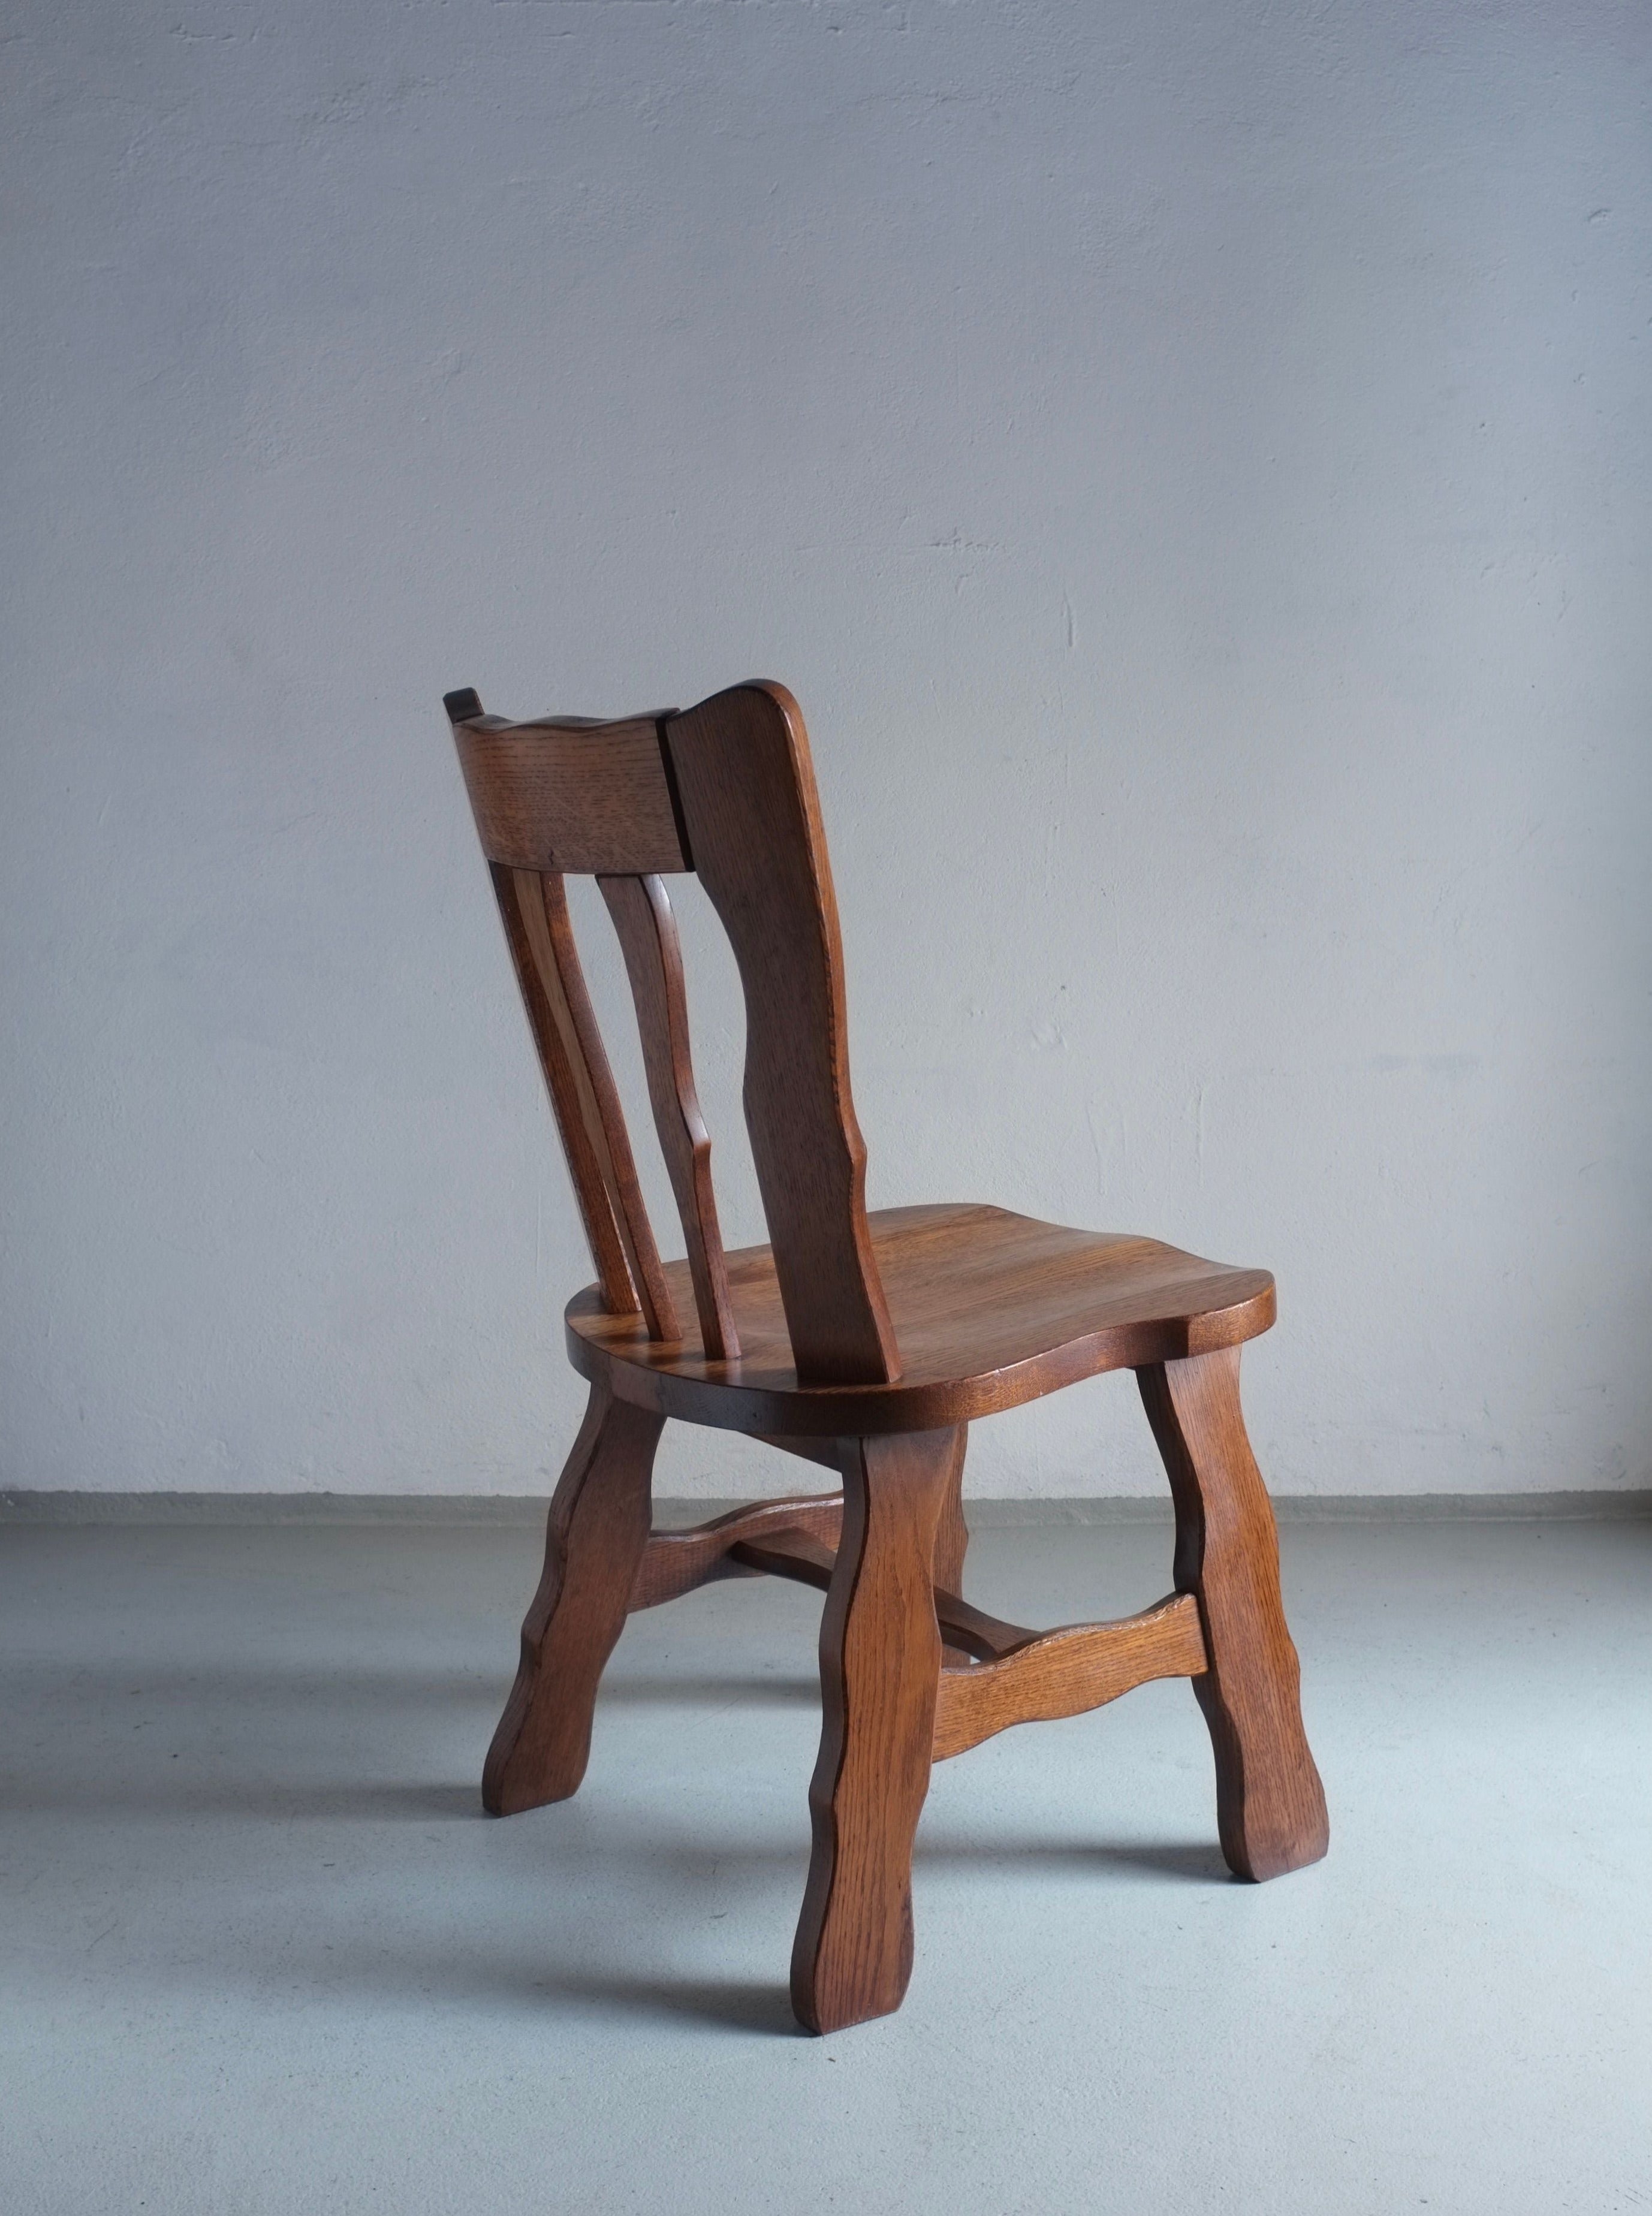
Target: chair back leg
<point>879,1671</point>
<point>952,1544</point>
<point>594,1539</point>
<point>1270,1805</point>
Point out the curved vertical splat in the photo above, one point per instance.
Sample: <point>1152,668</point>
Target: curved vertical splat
<point>1270,1804</point>
<point>647,932</point>
<point>752,817</point>
<point>594,1541</point>
<point>522,911</point>
<point>879,1679</point>
<point>582,1089</point>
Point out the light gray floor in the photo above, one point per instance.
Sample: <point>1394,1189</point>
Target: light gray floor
<point>263,1954</point>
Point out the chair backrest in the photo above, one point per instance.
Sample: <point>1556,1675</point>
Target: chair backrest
<point>727,790</point>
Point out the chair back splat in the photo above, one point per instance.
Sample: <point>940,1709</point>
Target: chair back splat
<point>728,792</point>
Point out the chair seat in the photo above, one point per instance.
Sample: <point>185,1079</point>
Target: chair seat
<point>989,1310</point>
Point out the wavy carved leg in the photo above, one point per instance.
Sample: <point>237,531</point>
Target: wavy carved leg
<point>1270,1804</point>
<point>880,1670</point>
<point>594,1539</point>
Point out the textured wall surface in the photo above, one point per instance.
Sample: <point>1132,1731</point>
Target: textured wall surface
<point>1191,463</point>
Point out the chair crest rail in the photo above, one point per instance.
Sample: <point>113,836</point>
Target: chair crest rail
<point>727,791</point>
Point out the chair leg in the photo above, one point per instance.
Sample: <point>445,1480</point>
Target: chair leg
<point>879,1669</point>
<point>594,1539</point>
<point>952,1544</point>
<point>1270,1804</point>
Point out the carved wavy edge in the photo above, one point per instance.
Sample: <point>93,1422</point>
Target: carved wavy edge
<point>1067,1672</point>
<point>675,1562</point>
<point>1017,1677</point>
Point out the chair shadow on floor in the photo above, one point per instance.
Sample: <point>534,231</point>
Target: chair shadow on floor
<point>708,1689</point>
<point>468,1970</point>
<point>1190,1861</point>
<point>745,2006</point>
<point>563,1855</point>
<point>564,1868</point>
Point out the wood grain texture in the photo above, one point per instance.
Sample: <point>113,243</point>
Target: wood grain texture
<point>572,797</point>
<point>1067,1672</point>
<point>971,1633</point>
<point>809,1559</point>
<point>522,913</point>
<point>647,931</point>
<point>675,1562</point>
<point>579,1072</point>
<point>595,1538</point>
<point>1027,1677</point>
<point>952,1544</point>
<point>1270,1804</point>
<point>879,1669</point>
<point>992,1310</point>
<point>747,790</point>
<point>806,1558</point>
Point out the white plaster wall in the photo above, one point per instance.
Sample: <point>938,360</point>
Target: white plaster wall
<point>1191,462</point>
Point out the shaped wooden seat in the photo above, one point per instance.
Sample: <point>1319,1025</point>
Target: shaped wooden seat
<point>989,1310</point>
<point>866,1343</point>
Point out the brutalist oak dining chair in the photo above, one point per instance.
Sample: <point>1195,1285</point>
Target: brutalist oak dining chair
<point>864,1342</point>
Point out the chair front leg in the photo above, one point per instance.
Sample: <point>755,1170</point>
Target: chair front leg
<point>598,1528</point>
<point>1269,1803</point>
<point>879,1669</point>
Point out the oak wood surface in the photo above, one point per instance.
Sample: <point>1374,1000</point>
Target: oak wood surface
<point>746,786</point>
<point>1024,1677</point>
<point>952,1545</point>
<point>675,1562</point>
<point>575,1046</point>
<point>647,931</point>
<point>595,1536</point>
<point>1067,1672</point>
<point>808,1559</point>
<point>1269,1802</point>
<point>571,797</point>
<point>522,912</point>
<point>879,1671</point>
<point>991,1310</point>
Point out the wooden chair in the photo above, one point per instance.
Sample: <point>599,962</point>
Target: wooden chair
<point>867,1343</point>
